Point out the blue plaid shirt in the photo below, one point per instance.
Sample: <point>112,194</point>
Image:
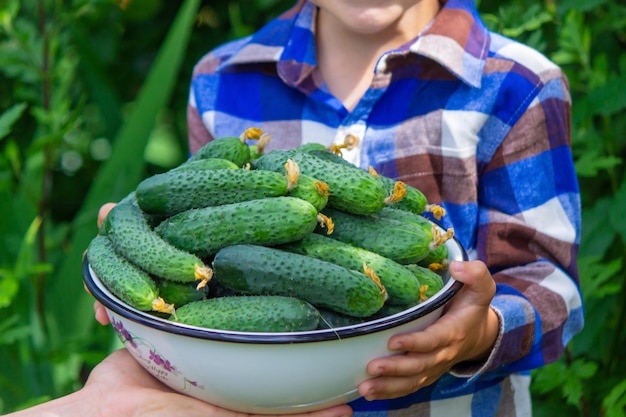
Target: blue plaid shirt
<point>480,124</point>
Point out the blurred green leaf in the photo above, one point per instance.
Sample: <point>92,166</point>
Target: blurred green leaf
<point>606,100</point>
<point>598,234</point>
<point>614,404</point>
<point>591,162</point>
<point>580,5</point>
<point>9,117</point>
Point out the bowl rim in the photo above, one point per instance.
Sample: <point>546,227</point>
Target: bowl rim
<point>111,302</point>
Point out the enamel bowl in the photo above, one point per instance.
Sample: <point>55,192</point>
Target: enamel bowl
<point>264,373</point>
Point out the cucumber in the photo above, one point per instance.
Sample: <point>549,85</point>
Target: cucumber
<point>312,190</point>
<point>393,239</point>
<point>233,148</point>
<point>391,309</point>
<point>414,200</point>
<point>124,279</point>
<point>430,281</point>
<point>261,270</point>
<point>351,189</point>
<point>311,146</point>
<point>133,238</point>
<point>330,319</point>
<point>257,150</point>
<point>208,163</point>
<point>267,221</point>
<point>250,314</point>
<point>329,156</point>
<point>175,191</point>
<point>407,217</point>
<point>180,293</point>
<point>438,256</point>
<point>400,283</point>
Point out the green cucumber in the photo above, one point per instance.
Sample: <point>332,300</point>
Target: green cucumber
<point>267,221</point>
<point>436,258</point>
<point>391,309</point>
<point>133,238</point>
<point>122,278</point>
<point>400,283</point>
<point>439,254</point>
<point>414,201</point>
<point>312,190</point>
<point>175,191</point>
<point>407,217</point>
<point>330,319</point>
<point>208,163</point>
<point>393,239</point>
<point>430,281</point>
<point>351,189</point>
<point>311,146</point>
<point>181,293</point>
<point>250,314</point>
<point>232,148</point>
<point>330,156</point>
<point>263,270</point>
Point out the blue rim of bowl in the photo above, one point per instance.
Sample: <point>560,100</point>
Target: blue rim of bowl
<point>152,321</point>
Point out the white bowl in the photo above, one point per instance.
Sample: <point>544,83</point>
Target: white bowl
<point>264,373</point>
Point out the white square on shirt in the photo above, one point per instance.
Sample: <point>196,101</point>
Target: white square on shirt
<point>550,219</point>
<point>459,132</point>
<point>527,57</point>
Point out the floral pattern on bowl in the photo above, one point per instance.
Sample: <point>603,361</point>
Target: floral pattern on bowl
<point>148,356</point>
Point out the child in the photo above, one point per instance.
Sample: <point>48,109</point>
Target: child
<point>476,121</point>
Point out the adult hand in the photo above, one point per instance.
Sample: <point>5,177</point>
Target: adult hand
<point>98,308</point>
<point>119,386</point>
<point>465,332</point>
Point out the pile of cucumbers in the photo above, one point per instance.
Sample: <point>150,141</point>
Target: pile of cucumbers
<point>236,238</point>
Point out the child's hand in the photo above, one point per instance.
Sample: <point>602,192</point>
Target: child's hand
<point>465,332</point>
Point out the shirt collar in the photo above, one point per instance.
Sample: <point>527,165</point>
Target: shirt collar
<point>456,39</point>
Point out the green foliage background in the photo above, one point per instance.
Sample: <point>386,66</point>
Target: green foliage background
<point>92,99</point>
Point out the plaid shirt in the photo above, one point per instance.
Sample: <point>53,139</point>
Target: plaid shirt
<point>480,124</point>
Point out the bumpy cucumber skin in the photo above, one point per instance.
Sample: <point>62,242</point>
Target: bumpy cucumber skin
<point>226,147</point>
<point>267,221</point>
<point>207,163</point>
<point>311,146</point>
<point>306,190</point>
<point>400,283</point>
<point>125,280</point>
<point>330,319</point>
<point>399,241</point>
<point>437,255</point>
<point>352,189</point>
<point>255,313</point>
<point>133,238</point>
<point>331,157</point>
<point>175,191</point>
<point>392,212</point>
<point>427,277</point>
<point>180,293</point>
<point>263,270</point>
<point>414,200</point>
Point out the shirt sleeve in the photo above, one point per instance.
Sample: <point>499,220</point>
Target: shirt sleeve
<point>528,235</point>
